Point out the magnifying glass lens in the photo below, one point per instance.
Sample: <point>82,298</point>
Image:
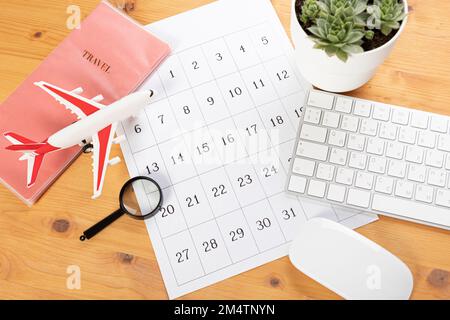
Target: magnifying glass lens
<point>148,192</point>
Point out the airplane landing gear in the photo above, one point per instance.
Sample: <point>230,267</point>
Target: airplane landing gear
<point>87,147</point>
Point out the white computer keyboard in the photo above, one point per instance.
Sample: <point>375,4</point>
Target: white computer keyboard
<point>373,156</point>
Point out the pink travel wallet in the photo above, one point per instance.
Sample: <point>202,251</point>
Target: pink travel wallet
<point>109,55</point>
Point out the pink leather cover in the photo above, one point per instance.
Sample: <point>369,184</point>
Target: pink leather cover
<point>110,55</point>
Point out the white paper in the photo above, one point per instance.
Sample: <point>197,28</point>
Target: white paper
<point>218,140</point>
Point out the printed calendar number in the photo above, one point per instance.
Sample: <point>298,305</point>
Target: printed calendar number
<point>228,139</point>
<point>237,234</point>
<point>219,190</point>
<point>258,84</point>
<point>167,210</point>
<point>270,171</point>
<point>288,214</point>
<point>192,201</point>
<point>211,248</point>
<point>203,148</point>
<point>177,158</point>
<point>210,245</point>
<point>219,56</point>
<point>137,128</point>
<point>210,101</point>
<point>278,120</point>
<point>245,180</point>
<point>237,91</point>
<point>263,224</point>
<point>152,168</point>
<point>282,75</point>
<point>264,40</point>
<point>251,130</point>
<point>182,255</point>
<point>298,112</point>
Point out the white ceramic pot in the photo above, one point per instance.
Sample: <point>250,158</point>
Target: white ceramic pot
<point>330,73</point>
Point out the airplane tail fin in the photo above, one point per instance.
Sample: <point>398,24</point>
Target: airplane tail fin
<point>20,143</point>
<point>27,146</point>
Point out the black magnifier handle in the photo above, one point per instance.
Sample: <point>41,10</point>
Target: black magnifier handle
<point>102,224</point>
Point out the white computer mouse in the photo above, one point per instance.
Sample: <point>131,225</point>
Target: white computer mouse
<point>347,263</point>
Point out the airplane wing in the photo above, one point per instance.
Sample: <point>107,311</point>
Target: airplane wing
<point>102,146</point>
<point>80,106</point>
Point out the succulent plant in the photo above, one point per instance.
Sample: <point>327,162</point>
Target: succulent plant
<point>354,10</point>
<point>337,35</point>
<point>385,15</point>
<point>310,11</point>
<point>340,27</point>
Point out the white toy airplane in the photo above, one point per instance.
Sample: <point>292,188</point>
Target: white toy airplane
<point>97,123</point>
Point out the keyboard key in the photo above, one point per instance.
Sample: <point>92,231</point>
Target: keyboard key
<point>443,198</point>
<point>439,124</point>
<point>356,142</point>
<point>388,131</point>
<point>369,127</point>
<point>362,108</point>
<point>394,150</point>
<point>320,99</point>
<point>424,194</point>
<point>303,167</point>
<point>358,198</point>
<point>377,165</point>
<point>336,193</point>
<point>364,180</point>
<point>444,142</point>
<point>338,156</point>
<point>312,115</point>
<point>419,120</point>
<point>384,184</point>
<point>313,133</point>
<point>407,135</point>
<point>357,160</point>
<point>400,116</point>
<point>404,189</point>
<point>381,112</point>
<point>397,169</point>
<point>437,177</point>
<point>427,139</point>
<point>297,184</point>
<point>434,158</point>
<point>325,171</point>
<point>337,138</point>
<point>343,104</point>
<point>349,123</point>
<point>312,150</point>
<point>316,188</point>
<point>447,162</point>
<point>414,154</point>
<point>345,176</point>
<point>375,146</point>
<point>417,173</point>
<point>331,119</point>
<point>410,209</point>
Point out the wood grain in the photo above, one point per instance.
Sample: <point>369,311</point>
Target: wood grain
<point>38,244</point>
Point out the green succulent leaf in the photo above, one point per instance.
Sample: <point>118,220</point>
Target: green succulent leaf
<point>385,15</point>
<point>340,27</point>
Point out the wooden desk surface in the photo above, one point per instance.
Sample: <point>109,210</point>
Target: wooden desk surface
<point>38,244</point>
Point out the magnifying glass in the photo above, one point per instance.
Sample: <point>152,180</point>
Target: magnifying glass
<point>151,199</point>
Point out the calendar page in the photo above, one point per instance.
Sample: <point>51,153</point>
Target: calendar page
<point>218,139</point>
